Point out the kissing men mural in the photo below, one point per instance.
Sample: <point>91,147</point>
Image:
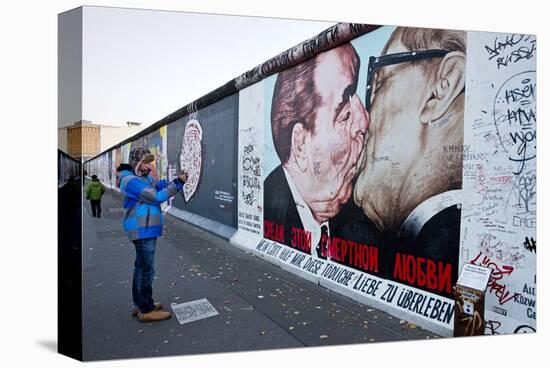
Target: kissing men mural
<point>366,181</point>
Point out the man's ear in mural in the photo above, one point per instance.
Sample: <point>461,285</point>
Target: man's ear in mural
<point>299,147</point>
<point>446,85</point>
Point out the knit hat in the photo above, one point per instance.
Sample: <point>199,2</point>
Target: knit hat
<point>123,167</point>
<point>139,155</point>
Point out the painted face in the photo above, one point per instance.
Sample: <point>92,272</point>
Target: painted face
<point>395,136</point>
<point>402,165</point>
<point>334,145</point>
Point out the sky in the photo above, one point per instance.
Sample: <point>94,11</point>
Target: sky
<point>141,65</point>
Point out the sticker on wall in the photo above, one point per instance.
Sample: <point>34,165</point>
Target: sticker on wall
<point>191,157</point>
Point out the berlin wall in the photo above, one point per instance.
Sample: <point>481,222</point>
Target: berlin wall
<point>374,161</point>
<point>66,167</point>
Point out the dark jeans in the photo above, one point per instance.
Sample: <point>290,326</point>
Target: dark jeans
<point>96,207</point>
<point>144,273</point>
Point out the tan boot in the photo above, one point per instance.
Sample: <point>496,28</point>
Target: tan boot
<point>135,310</point>
<point>154,316</point>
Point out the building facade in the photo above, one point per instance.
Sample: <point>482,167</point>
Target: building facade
<point>84,139</point>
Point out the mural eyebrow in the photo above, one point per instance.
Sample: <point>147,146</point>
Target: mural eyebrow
<point>348,92</point>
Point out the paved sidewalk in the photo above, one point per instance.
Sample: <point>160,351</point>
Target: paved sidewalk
<point>260,306</point>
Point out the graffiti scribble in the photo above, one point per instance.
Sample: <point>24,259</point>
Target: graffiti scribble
<point>495,285</point>
<point>515,117</point>
<point>511,49</point>
<point>530,244</point>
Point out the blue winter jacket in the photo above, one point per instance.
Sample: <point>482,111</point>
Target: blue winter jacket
<point>143,196</point>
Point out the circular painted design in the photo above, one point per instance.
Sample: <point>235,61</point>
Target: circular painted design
<point>191,157</point>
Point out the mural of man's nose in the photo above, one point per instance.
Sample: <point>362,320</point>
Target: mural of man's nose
<point>360,117</point>
<point>359,129</point>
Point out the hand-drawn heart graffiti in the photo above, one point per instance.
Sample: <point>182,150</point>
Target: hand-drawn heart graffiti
<point>191,157</point>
